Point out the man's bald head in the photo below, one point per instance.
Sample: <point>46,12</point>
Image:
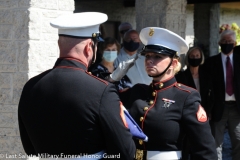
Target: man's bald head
<point>77,48</point>
<point>131,35</point>
<point>123,28</point>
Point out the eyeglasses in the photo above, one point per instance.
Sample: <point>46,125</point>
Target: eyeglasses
<point>226,41</point>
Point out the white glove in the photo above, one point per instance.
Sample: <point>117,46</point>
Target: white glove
<point>122,69</point>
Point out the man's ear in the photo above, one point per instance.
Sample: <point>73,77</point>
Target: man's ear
<point>174,62</point>
<point>88,48</point>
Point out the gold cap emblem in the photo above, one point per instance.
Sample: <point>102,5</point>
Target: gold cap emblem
<point>151,32</point>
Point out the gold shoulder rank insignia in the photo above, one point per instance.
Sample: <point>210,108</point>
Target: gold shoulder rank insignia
<point>151,32</point>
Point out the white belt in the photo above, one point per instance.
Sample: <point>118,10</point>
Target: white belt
<point>95,156</point>
<point>165,155</point>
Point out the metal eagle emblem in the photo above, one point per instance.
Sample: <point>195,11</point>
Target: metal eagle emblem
<point>151,32</point>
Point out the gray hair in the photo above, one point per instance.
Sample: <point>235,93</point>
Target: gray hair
<point>229,33</point>
<point>123,25</point>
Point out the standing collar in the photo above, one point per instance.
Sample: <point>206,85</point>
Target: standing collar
<point>163,84</point>
<point>70,62</point>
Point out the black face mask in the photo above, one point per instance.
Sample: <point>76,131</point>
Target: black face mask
<point>131,46</point>
<point>227,48</point>
<point>194,62</point>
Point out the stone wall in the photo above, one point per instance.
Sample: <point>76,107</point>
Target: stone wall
<point>113,8</point>
<point>28,46</point>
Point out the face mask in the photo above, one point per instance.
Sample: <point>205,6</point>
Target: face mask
<point>110,56</point>
<point>131,46</point>
<point>227,48</point>
<point>194,62</point>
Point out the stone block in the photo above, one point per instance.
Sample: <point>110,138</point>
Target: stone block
<point>9,132</point>
<point>19,79</point>
<point>8,68</point>
<point>21,24</point>
<point>50,48</point>
<point>35,25</point>
<point>5,96</point>
<point>8,54</point>
<point>47,28</point>
<point>16,96</point>
<point>7,120</point>
<point>8,108</point>
<point>66,5</point>
<point>49,37</point>
<point>11,146</point>
<point>8,4</point>
<point>5,80</point>
<point>44,4</point>
<point>24,3</point>
<point>22,50</point>
<point>6,16</point>
<point>6,31</point>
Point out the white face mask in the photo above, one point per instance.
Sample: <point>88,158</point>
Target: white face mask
<point>110,56</point>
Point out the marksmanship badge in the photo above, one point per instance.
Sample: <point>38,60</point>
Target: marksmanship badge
<point>167,102</point>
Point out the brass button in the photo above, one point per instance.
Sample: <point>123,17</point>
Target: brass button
<point>141,119</point>
<point>179,84</point>
<point>160,85</point>
<point>140,142</point>
<point>145,108</point>
<point>151,102</point>
<point>90,73</point>
<point>154,94</point>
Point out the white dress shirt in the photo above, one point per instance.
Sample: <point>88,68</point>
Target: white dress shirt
<point>137,73</point>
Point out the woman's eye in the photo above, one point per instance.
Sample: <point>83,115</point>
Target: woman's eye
<point>147,56</point>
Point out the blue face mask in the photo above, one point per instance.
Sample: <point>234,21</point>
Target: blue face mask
<point>110,56</point>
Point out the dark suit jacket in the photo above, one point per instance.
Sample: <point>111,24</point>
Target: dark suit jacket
<point>237,49</point>
<point>217,84</point>
<point>185,77</point>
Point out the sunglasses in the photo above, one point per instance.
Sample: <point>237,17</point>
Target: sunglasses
<point>124,31</point>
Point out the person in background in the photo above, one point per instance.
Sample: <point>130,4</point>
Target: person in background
<point>165,108</point>
<point>194,76</point>
<point>122,29</point>
<point>223,74</point>
<point>109,50</point>
<point>131,43</point>
<point>66,111</point>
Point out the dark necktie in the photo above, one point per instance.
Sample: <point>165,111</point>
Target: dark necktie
<point>229,77</point>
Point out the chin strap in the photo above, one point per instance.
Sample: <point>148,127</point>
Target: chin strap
<point>163,71</point>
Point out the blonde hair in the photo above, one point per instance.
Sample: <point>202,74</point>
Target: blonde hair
<point>192,49</point>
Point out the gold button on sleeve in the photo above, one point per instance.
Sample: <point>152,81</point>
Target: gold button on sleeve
<point>145,108</point>
<point>141,119</point>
